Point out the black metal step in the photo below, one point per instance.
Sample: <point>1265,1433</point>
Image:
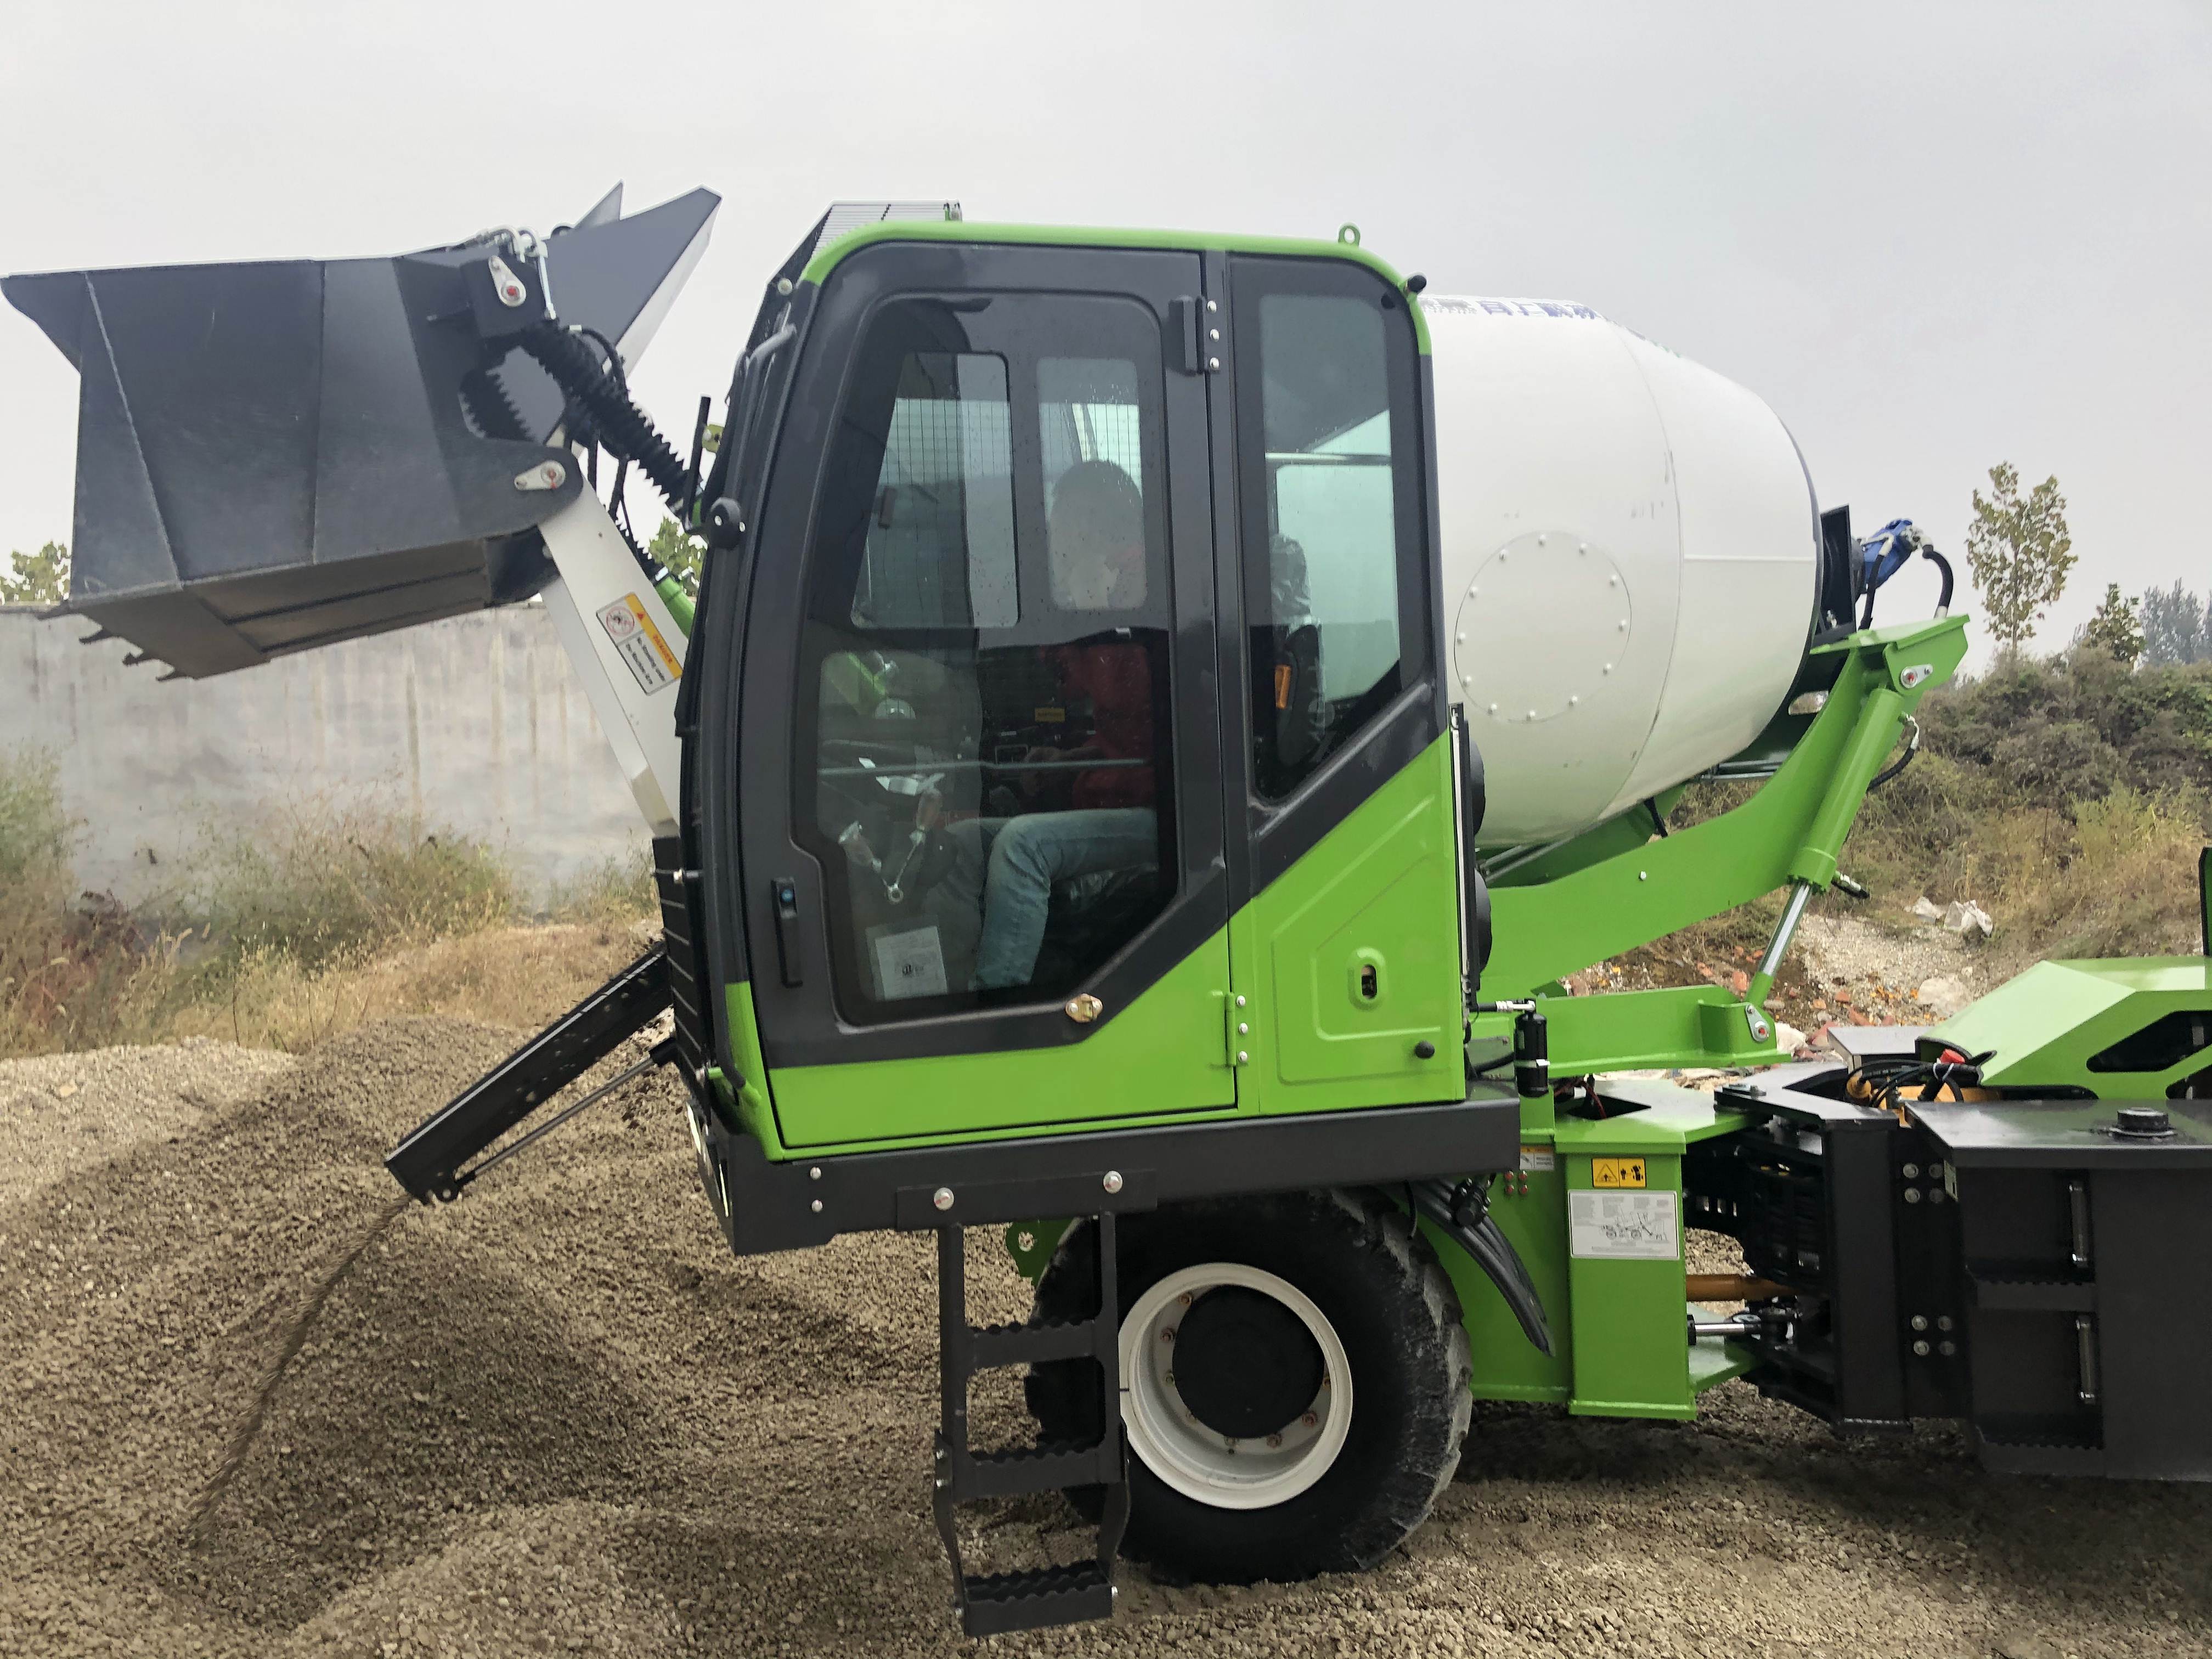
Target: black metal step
<point>1006,1601</point>
<point>1045,1467</point>
<point>1033,1343</point>
<point>429,1162</point>
<point>992,1603</point>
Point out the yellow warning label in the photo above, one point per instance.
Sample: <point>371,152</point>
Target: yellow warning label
<point>1616,1172</point>
<point>639,643</point>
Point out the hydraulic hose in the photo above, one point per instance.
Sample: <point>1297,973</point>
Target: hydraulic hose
<point>1911,748</point>
<point>1943,601</point>
<point>623,428</point>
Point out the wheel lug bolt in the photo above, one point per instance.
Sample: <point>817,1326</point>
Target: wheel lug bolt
<point>1168,1334</point>
<point>1274,1440</point>
<point>1309,1419</point>
<point>1184,1298</point>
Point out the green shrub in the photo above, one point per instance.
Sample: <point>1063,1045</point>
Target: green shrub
<point>72,974</point>
<point>2050,733</point>
<point>35,832</point>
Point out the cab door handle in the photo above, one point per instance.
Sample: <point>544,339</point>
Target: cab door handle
<point>784,892</point>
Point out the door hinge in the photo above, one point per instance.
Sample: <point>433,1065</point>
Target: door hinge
<point>1236,1029</point>
<point>1184,355</point>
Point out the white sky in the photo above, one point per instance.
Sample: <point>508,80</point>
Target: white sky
<point>1933,235</point>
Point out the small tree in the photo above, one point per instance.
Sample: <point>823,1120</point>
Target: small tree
<point>2114,629</point>
<point>40,578</point>
<point>2019,553</point>
<point>2177,626</point>
<point>679,551</point>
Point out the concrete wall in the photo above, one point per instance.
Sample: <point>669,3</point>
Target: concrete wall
<point>475,723</point>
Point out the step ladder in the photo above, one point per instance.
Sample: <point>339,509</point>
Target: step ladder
<point>995,1603</point>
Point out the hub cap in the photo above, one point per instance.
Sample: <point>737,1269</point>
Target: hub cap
<point>1235,1389</point>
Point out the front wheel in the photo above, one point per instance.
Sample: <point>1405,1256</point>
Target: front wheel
<point>1294,1381</point>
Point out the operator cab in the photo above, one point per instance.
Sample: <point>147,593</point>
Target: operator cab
<point>1091,589</point>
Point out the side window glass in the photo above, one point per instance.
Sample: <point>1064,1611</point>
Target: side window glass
<point>1088,426</point>
<point>940,547</point>
<point>986,762</point>
<point>1324,613</point>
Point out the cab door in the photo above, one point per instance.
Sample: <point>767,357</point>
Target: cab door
<point>1346,849</point>
<point>980,768</point>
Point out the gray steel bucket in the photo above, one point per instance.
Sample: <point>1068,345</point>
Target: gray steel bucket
<point>275,456</point>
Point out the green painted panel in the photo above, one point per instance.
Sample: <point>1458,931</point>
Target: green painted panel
<point>1353,958</point>
<point>1712,1362</point>
<point>1622,833</point>
<point>826,259</point>
<point>1618,1326</point>
<point>1631,1345</point>
<point>2047,1023</point>
<point>747,1093</point>
<point>1165,1055</point>
<point>1032,1244</point>
<point>1667,1118</point>
<point>1676,1025</point>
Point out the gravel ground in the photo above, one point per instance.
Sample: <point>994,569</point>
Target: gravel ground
<point>556,1417</point>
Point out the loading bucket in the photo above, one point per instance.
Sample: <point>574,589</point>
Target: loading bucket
<point>275,456</point>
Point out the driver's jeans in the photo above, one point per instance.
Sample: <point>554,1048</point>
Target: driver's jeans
<point>1003,869</point>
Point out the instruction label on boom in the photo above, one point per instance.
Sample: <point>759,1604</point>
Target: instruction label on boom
<point>1629,1226</point>
<point>639,644</point>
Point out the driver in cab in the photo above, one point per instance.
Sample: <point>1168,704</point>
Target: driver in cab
<point>1003,868</point>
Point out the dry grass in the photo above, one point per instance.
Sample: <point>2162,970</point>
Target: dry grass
<point>2128,886</point>
<point>332,914</point>
<point>514,976</point>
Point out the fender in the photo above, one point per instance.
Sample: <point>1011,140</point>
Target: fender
<point>1467,1224</point>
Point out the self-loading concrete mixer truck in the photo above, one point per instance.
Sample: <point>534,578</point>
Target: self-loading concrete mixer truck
<point>1161,715</point>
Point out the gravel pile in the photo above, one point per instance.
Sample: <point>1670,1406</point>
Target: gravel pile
<point>555,1417</point>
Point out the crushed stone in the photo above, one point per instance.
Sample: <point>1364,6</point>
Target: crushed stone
<point>556,1417</point>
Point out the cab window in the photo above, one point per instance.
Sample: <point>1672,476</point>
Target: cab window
<point>1322,556</point>
<point>984,756</point>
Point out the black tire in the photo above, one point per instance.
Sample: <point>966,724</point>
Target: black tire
<point>1378,1283</point>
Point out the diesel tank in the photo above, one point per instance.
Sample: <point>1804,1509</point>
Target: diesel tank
<point>1630,560</point>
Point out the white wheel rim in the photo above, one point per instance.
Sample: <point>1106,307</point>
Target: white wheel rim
<point>1194,1459</point>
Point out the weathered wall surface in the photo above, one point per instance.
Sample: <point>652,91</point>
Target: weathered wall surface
<point>475,723</point>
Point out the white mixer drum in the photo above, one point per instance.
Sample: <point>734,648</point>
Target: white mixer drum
<point>1630,558</point>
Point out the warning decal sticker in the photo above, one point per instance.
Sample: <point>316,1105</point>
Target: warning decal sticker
<point>639,644</point>
<point>1624,1225</point>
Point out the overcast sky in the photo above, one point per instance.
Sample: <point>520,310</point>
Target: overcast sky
<point>1933,236</point>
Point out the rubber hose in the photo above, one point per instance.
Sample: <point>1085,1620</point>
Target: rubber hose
<point>1903,761</point>
<point>1943,600</point>
<point>624,428</point>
